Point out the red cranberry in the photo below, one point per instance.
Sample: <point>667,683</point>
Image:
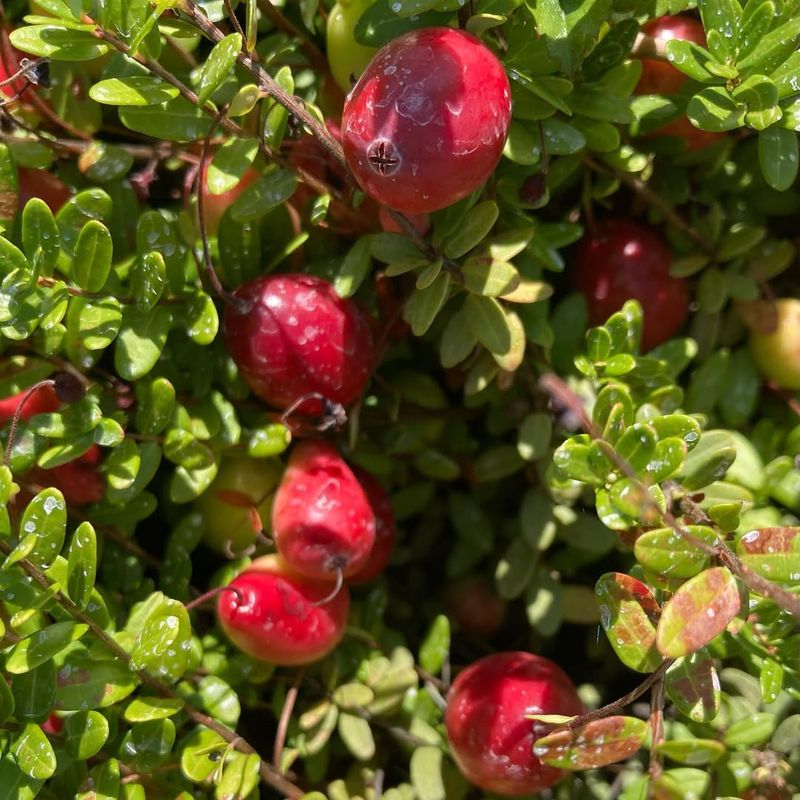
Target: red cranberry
<point>272,614</point>
<point>622,260</point>
<point>426,123</point>
<point>42,401</point>
<point>490,737</point>
<point>322,520</point>
<point>292,336</point>
<point>474,607</point>
<point>385,528</point>
<point>659,76</point>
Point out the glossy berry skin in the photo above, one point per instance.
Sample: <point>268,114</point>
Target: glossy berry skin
<point>215,205</point>
<point>660,77</point>
<point>490,738</point>
<point>44,185</point>
<point>322,520</point>
<point>274,617</point>
<point>385,528</point>
<point>426,123</point>
<point>238,504</point>
<point>346,56</point>
<point>42,401</point>
<point>474,607</point>
<point>80,481</point>
<point>623,260</point>
<point>293,335</point>
<point>777,354</point>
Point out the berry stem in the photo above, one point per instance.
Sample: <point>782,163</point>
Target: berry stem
<point>12,433</point>
<point>284,719</point>
<point>336,589</point>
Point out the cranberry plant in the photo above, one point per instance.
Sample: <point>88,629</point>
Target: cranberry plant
<point>196,276</point>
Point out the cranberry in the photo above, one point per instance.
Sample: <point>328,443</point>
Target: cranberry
<point>385,528</point>
<point>623,260</point>
<point>272,615</point>
<point>474,607</point>
<point>79,481</point>
<point>777,352</point>
<point>426,123</point>
<point>44,185</point>
<point>292,335</point>
<point>42,401</point>
<point>322,520</point>
<point>660,77</point>
<point>490,737</point>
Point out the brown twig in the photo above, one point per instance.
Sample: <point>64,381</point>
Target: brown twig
<point>617,705</point>
<point>283,721</point>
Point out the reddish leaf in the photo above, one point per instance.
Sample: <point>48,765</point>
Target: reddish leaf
<point>604,741</point>
<point>629,614</point>
<point>692,684</point>
<point>773,553</point>
<point>234,498</point>
<point>698,612</point>
<point>667,553</point>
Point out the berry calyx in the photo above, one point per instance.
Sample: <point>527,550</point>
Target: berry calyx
<point>622,260</point>
<point>273,614</point>
<point>486,720</point>
<point>385,528</point>
<point>292,336</point>
<point>426,123</point>
<point>322,520</point>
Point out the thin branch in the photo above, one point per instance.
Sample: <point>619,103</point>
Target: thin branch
<point>617,705</point>
<point>283,721</point>
<point>268,774</point>
<point>237,26</point>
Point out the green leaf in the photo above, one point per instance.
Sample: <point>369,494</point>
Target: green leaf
<point>752,731</point>
<point>93,254</point>
<point>218,66</point>
<point>357,736</point>
<point>477,224</point>
<point>86,683</point>
<point>33,752</point>
<point>133,90</point>
<point>698,612</point>
<point>424,304</point>
<point>40,236</point>
<point>240,777</point>
<point>637,446</point>
<point>778,157</point>
<point>265,194</point>
<point>148,280</point>
<point>163,644</point>
<point>143,709</point>
<point>665,552</point>
<point>457,340</point>
<point>708,461</point>
<point>82,565</point>
<point>202,319</point>
<point>435,647</point>
<point>692,60</point>
<point>230,163</point>
<point>693,685</point>
<point>772,49</point>
<point>176,120</point>
<point>140,342</point>
<point>62,44</point>
<point>604,741</point>
<point>42,646</point>
<point>535,433</point>
<point>86,732</point>
<point>629,613</point>
<point>45,519</point>
<point>156,401</point>
<point>14,783</point>
<point>486,276</point>
<point>487,320</point>
<point>355,268</point>
<point>712,109</point>
<point>426,773</point>
<point>148,744</point>
<point>774,553</point>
